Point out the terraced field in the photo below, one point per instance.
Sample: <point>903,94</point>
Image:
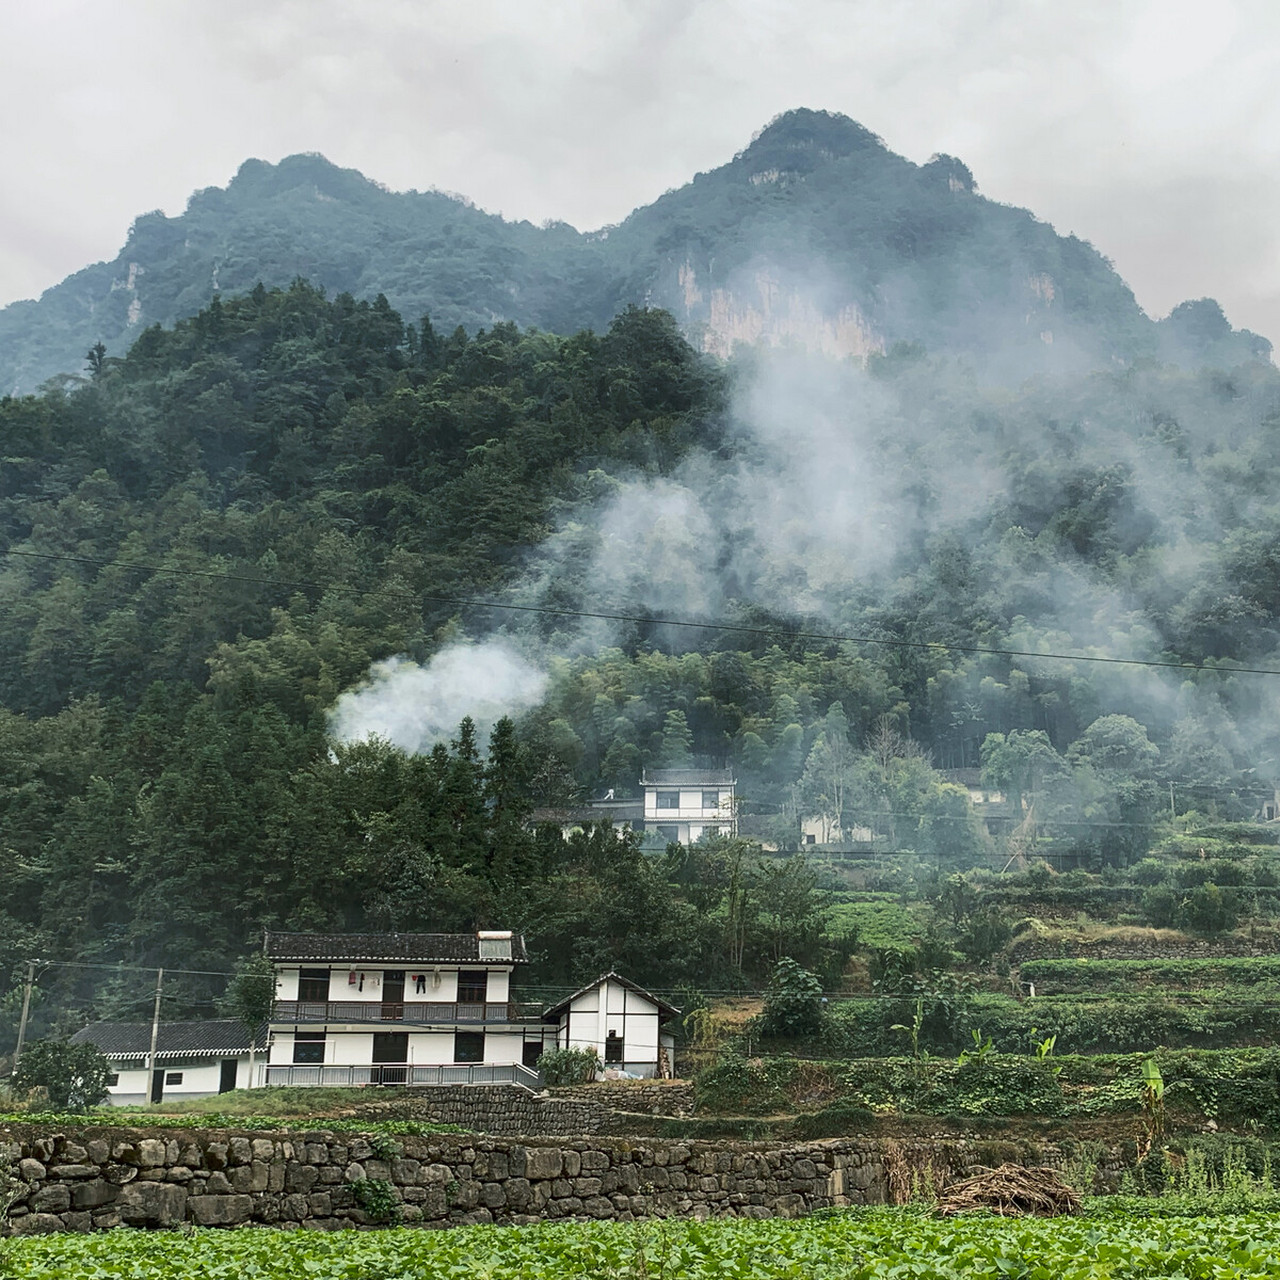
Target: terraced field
<point>870,1245</point>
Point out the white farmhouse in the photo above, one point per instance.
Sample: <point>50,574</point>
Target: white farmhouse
<point>622,1022</point>
<point>400,1008</point>
<point>683,804</point>
<point>193,1059</point>
<point>390,1009</point>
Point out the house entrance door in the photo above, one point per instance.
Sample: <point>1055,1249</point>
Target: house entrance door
<point>390,1051</point>
<point>227,1078</point>
<point>157,1084</point>
<point>393,995</point>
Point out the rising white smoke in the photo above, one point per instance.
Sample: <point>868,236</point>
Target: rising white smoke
<point>415,706</point>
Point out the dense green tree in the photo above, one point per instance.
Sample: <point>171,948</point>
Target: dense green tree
<point>73,1076</point>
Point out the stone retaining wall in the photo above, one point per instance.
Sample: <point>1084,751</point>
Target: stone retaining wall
<point>96,1179</point>
<point>501,1110</point>
<point>634,1097</point>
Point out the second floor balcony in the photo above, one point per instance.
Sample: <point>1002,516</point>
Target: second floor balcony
<point>410,1011</point>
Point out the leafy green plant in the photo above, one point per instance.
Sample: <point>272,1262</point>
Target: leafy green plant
<point>981,1048</point>
<point>1118,1238</point>
<point>1153,1118</point>
<point>377,1197</point>
<point>913,1030</point>
<point>792,1003</point>
<point>384,1146</point>
<point>569,1066</point>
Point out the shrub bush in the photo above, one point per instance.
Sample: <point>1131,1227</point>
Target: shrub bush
<point>73,1076</point>
<point>792,1003</point>
<point>569,1066</point>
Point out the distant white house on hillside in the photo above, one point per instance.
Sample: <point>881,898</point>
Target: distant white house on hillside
<point>682,805</point>
<point>676,805</point>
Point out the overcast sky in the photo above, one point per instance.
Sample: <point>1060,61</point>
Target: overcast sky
<point>1149,127</point>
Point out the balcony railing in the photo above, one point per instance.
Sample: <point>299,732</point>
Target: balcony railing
<point>418,1011</point>
<point>402,1074</point>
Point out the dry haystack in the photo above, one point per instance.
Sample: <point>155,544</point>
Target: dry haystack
<point>1012,1191</point>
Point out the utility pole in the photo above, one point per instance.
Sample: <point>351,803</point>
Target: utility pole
<point>28,983</point>
<point>155,1035</point>
<point>1173,812</point>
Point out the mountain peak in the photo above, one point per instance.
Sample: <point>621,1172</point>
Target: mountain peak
<point>309,170</point>
<point>829,134</point>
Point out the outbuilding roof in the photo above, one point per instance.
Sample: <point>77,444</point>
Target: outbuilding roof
<point>211,1038</point>
<point>665,1009</point>
<point>407,948</point>
<point>688,778</point>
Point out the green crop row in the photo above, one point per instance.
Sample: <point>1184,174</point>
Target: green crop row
<point>870,1245</point>
<point>1236,1087</point>
<point>1109,975</point>
<point>123,1117</point>
<point>865,1028</point>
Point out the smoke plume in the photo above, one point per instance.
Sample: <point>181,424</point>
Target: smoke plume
<point>414,706</point>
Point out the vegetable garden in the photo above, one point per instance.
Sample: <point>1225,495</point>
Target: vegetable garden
<point>868,1245</point>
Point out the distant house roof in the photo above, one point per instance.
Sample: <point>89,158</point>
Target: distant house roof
<point>371,948</point>
<point>212,1038</point>
<point>667,1010</point>
<point>963,777</point>
<point>688,778</point>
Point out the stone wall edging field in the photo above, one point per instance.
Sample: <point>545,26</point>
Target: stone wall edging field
<point>95,1178</point>
<point>503,1110</point>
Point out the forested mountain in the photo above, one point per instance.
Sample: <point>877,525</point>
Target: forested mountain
<point>816,233</point>
<point>291,512</point>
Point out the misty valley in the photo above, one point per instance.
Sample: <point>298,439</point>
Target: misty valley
<point>356,596</point>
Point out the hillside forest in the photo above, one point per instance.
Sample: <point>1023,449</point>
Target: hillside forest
<point>901,570</point>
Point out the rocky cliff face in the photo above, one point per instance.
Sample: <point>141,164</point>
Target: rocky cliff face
<point>763,307</point>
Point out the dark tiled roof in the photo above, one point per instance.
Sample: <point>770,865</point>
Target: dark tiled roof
<point>214,1038</point>
<point>369,948</point>
<point>688,778</point>
<point>665,1009</point>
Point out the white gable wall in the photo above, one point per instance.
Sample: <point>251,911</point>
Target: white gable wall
<point>611,1006</point>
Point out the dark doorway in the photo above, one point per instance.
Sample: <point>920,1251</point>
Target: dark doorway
<point>157,1084</point>
<point>473,986</point>
<point>390,1049</point>
<point>531,1053</point>
<point>227,1080</point>
<point>468,1046</point>
<point>393,995</point>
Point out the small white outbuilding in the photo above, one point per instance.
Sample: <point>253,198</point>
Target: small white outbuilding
<point>622,1022</point>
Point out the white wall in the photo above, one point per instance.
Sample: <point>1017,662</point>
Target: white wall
<point>442,984</point>
<point>426,1048</point>
<point>133,1086</point>
<point>612,1007</point>
<point>341,987</point>
<point>689,804</point>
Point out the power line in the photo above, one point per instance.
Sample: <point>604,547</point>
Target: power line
<point>600,615</point>
<point>135,968</point>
